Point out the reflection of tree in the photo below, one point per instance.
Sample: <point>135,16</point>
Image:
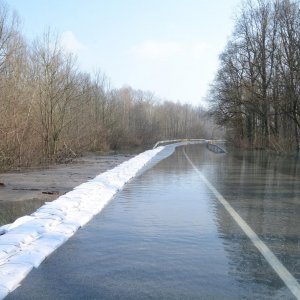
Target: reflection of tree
<point>11,210</point>
<point>264,191</point>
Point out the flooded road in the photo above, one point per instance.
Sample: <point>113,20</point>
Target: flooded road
<point>166,236</point>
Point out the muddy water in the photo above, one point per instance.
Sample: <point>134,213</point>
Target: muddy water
<point>165,236</point>
<point>24,192</point>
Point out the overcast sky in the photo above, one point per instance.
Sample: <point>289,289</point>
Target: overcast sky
<point>169,47</point>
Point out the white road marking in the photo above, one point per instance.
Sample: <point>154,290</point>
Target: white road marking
<point>270,257</point>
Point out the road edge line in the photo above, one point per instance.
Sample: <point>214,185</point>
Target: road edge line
<point>289,280</point>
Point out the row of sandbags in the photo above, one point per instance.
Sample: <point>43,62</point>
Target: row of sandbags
<point>25,243</point>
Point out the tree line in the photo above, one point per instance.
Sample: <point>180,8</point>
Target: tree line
<point>256,92</point>
<point>50,110</point>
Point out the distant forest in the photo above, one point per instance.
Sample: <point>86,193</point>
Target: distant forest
<point>50,110</point>
<point>256,93</point>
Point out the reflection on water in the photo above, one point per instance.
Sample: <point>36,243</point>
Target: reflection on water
<point>11,210</point>
<point>265,191</point>
<point>166,237</point>
<point>285,164</point>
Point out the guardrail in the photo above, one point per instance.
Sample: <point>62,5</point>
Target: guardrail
<point>212,145</point>
<point>178,141</point>
<point>216,141</point>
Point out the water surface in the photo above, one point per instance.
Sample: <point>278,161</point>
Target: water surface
<point>165,236</point>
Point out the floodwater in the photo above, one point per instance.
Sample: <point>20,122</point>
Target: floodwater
<point>165,235</point>
<point>22,193</point>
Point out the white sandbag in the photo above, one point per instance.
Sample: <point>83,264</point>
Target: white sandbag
<point>89,186</point>
<point>9,249</point>
<point>52,211</point>
<point>19,222</point>
<point>44,215</point>
<point>6,251</point>
<point>4,257</point>
<point>50,240</point>
<point>31,257</point>
<point>80,218</point>
<point>64,229</point>
<point>15,239</point>
<point>92,209</point>
<point>42,224</point>
<point>12,274</point>
<point>3,292</point>
<point>53,236</point>
<point>65,202</point>
<point>25,231</point>
<point>77,195</point>
<point>43,246</point>
<point>4,228</point>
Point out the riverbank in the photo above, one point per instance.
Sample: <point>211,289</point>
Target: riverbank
<point>24,191</point>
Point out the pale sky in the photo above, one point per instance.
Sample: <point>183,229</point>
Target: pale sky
<point>169,47</point>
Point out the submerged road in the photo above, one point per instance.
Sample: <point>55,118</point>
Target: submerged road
<point>197,225</point>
